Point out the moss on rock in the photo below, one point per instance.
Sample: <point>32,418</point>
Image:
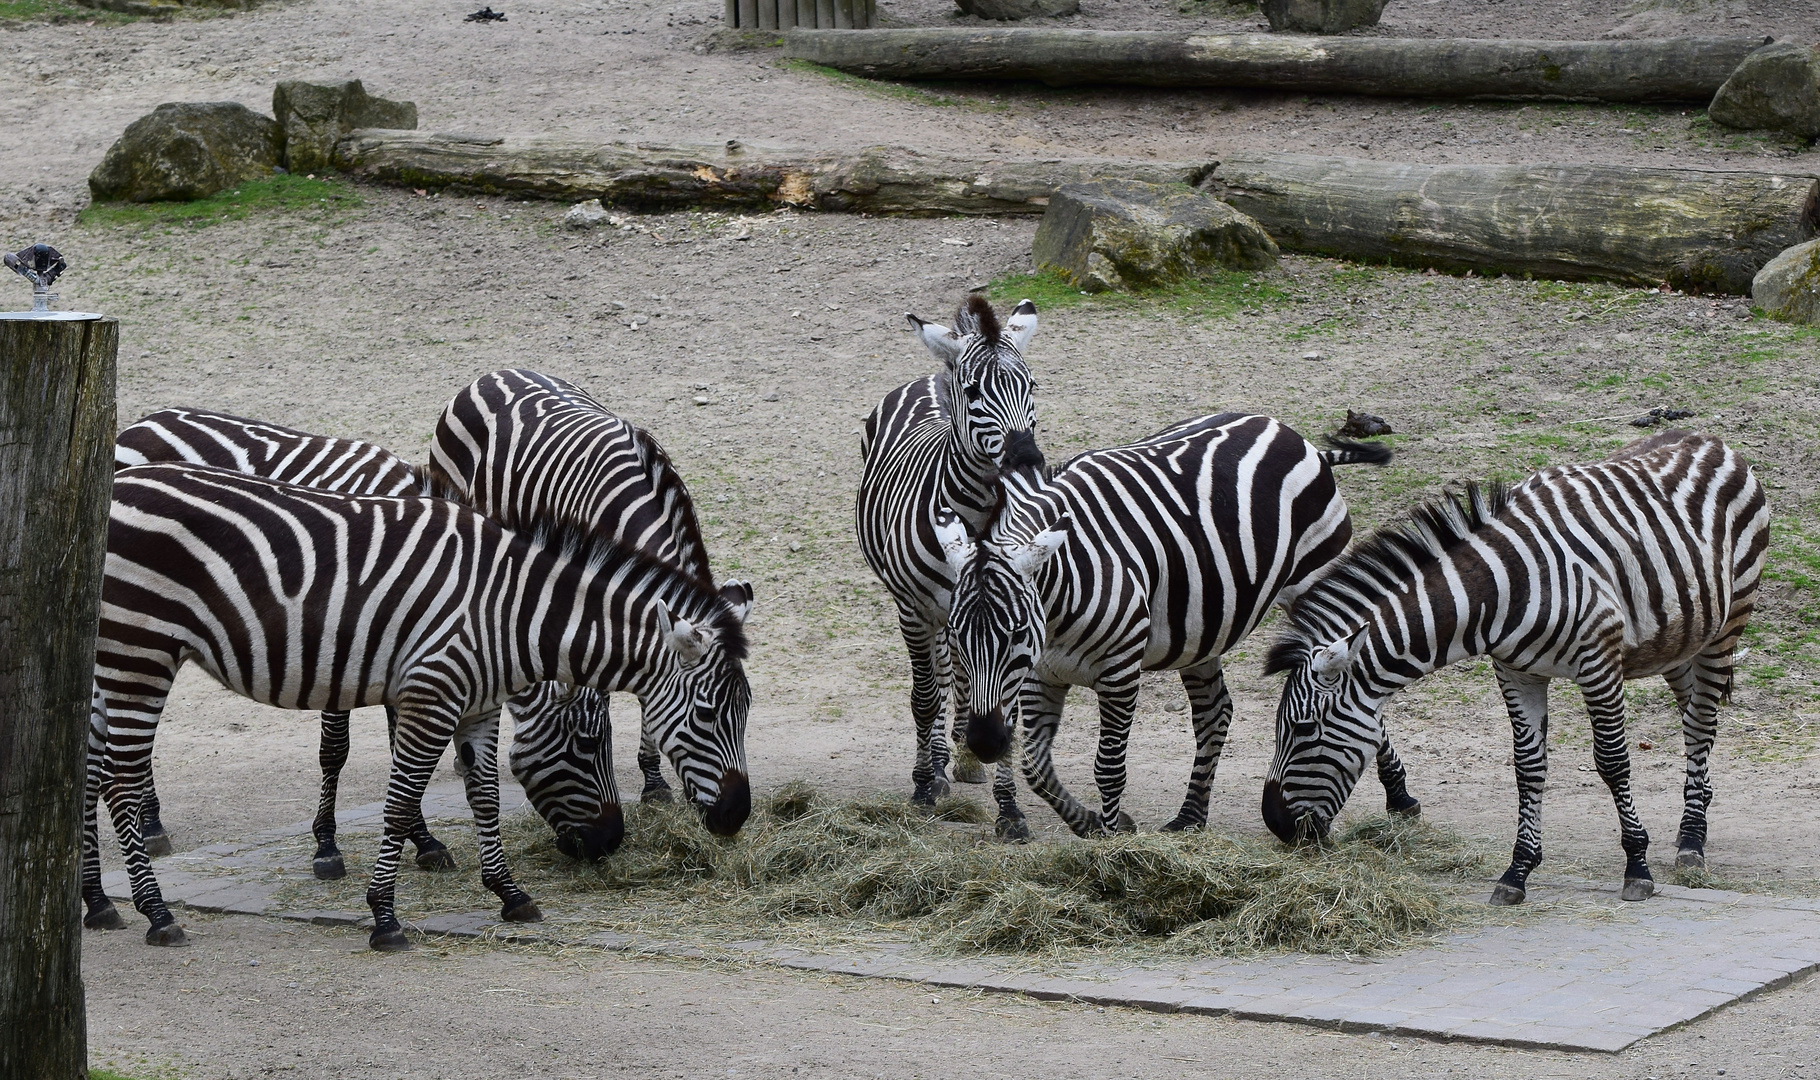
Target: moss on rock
<point>187,150</point>
<point>1125,234</point>
<point>1788,288</point>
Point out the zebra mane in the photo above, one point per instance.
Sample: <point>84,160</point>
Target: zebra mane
<point>975,316</point>
<point>1381,563</point>
<point>599,552</point>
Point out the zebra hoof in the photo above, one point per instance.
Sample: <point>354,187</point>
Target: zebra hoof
<point>170,934</point>
<point>938,787</point>
<point>525,910</point>
<point>1015,830</point>
<point>661,793</point>
<point>436,860</point>
<point>1638,888</point>
<point>1503,895</point>
<point>1123,823</point>
<point>329,868</point>
<point>1183,823</point>
<point>1406,807</point>
<point>1691,859</point>
<point>157,845</point>
<point>106,917</point>
<point>392,940</point>
<point>968,771</point>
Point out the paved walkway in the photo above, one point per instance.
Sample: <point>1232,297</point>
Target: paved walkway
<point>1567,983</point>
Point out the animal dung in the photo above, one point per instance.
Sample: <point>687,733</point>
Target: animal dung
<point>486,15</point>
<point>1360,425</point>
<point>1660,416</point>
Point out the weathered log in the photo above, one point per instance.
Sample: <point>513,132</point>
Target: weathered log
<point>1701,230</point>
<point>1657,69</point>
<point>879,180</point>
<point>56,469</point>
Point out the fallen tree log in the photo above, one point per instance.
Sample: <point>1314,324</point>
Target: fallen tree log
<point>878,180</point>
<point>1697,230</point>
<point>1658,69</point>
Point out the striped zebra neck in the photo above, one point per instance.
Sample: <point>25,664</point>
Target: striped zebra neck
<point>1025,504</point>
<point>966,481</point>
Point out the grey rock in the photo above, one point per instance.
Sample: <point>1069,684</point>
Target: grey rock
<point>187,150</point>
<point>1014,10</point>
<point>1788,287</point>
<point>315,116</point>
<point>587,215</point>
<point>1776,88</point>
<point>1322,16</point>
<point>1125,234</point>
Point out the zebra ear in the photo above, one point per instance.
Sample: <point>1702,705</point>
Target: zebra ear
<point>738,595</point>
<point>1022,326</point>
<point>1029,558</point>
<point>942,342</point>
<point>1331,662</point>
<point>957,546</point>
<point>679,636</point>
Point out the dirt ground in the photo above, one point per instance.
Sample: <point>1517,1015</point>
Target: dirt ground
<point>752,348</point>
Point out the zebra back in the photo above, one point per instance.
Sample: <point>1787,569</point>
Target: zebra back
<point>257,448</point>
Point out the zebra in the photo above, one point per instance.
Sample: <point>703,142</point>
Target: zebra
<point>931,445</point>
<point>1172,549</point>
<point>301,598</point>
<point>1646,563</point>
<point>203,437</point>
<point>527,450</point>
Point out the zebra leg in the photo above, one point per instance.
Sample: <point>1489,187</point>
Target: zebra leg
<point>327,864</point>
<point>432,854</point>
<point>421,734</point>
<point>925,710</point>
<point>1603,688</point>
<point>131,728</point>
<point>151,824</point>
<point>1118,705</point>
<point>657,789</point>
<point>1397,799</point>
<point>1211,707</point>
<point>477,744</point>
<point>1526,698</point>
<point>1699,685</point>
<point>1042,705</point>
<point>967,768</point>
<point>101,915</point>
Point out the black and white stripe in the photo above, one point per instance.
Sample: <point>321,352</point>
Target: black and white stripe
<point>256,448</point>
<point>306,599</point>
<point>530,451</point>
<point>1170,551</point>
<point>934,444</point>
<point>1646,563</point>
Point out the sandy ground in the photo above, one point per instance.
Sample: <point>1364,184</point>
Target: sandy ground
<point>365,320</point>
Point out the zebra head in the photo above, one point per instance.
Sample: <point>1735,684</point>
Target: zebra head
<point>997,625</point>
<point>562,756</point>
<point>697,707</point>
<point>988,385</point>
<point>1328,727</point>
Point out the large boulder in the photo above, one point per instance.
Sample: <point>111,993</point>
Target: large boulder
<point>316,115</point>
<point>187,150</point>
<point>1788,288</point>
<point>1014,10</point>
<point>1776,88</point>
<point>1126,234</point>
<point>1322,16</point>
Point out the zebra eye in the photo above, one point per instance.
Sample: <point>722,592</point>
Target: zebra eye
<point>1305,729</point>
<point>972,390</point>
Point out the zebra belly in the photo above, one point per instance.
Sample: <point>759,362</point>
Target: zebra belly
<point>320,696</point>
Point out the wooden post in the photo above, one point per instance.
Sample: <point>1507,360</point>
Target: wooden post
<point>824,14</point>
<point>748,14</point>
<point>805,14</point>
<point>843,14</point>
<point>56,473</point>
<point>786,14</point>
<point>767,14</point>
<point>732,13</point>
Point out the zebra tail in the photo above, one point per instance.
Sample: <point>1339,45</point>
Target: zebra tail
<point>1348,452</point>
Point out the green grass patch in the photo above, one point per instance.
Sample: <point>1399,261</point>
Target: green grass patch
<point>281,194</point>
<point>810,869</point>
<point>58,11</point>
<point>1223,292</point>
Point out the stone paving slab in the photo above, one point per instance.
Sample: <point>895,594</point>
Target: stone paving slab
<point>1566,983</point>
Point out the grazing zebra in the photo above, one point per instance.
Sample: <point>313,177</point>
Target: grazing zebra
<point>1171,550</point>
<point>1643,564</point>
<point>306,599</point>
<point>530,450</point>
<point>929,445</point>
<point>201,437</point>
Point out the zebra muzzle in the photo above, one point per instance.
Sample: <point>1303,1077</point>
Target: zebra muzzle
<point>989,737</point>
<point>732,806</point>
<point>596,839</point>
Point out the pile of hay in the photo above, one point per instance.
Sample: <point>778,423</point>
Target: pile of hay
<point>808,867</point>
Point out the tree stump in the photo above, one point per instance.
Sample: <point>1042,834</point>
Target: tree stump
<point>56,475</point>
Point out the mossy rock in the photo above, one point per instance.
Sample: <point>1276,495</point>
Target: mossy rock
<point>315,116</point>
<point>1788,288</point>
<point>1322,16</point>
<point>187,150</point>
<point>1125,234</point>
<point>1776,88</point>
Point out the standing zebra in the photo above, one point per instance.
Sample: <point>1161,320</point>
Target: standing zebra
<point>201,437</point>
<point>306,599</point>
<point>1171,549</point>
<point>929,445</point>
<point>530,451</point>
<point>1643,564</point>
